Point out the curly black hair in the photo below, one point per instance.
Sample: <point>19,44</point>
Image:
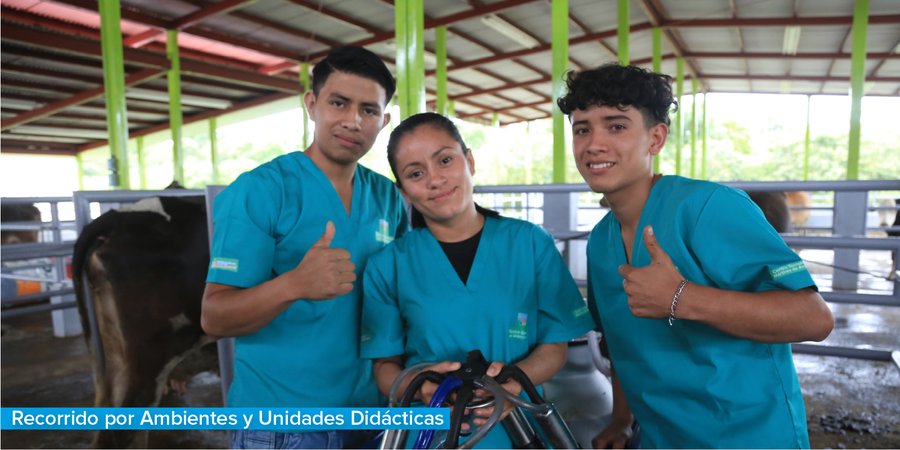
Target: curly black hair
<point>620,86</point>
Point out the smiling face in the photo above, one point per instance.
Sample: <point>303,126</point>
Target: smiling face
<point>613,147</point>
<point>349,114</point>
<point>435,174</point>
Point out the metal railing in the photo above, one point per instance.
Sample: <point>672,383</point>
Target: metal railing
<point>569,211</point>
<point>43,263</point>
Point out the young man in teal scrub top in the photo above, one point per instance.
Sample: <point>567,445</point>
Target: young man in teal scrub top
<point>697,296</point>
<point>291,237</point>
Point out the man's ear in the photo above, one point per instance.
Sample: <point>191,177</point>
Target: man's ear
<point>309,99</point>
<point>658,135</point>
<point>471,160</point>
<point>387,119</point>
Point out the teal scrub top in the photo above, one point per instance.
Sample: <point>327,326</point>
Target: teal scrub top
<point>690,385</point>
<point>264,223</point>
<point>519,294</point>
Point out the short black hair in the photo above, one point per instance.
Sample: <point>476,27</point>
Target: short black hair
<point>357,61</point>
<point>620,86</point>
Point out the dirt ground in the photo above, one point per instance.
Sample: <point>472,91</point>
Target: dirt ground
<point>850,403</point>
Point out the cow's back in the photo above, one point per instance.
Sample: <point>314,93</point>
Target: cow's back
<point>145,272</point>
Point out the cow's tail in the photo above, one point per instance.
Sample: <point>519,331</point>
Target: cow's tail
<point>88,240</point>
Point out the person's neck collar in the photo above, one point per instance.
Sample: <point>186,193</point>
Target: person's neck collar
<point>335,172</point>
<point>459,228</point>
<point>627,206</point>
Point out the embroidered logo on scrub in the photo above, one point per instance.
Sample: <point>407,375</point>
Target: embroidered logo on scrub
<point>787,269</point>
<point>520,329</point>
<point>383,234</point>
<point>580,311</point>
<point>228,264</point>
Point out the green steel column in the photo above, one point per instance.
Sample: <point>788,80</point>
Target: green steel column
<point>624,29</point>
<point>679,90</point>
<point>857,80</point>
<point>693,127</point>
<point>705,129</point>
<point>451,108</point>
<point>175,119</point>
<point>409,17</point>
<point>417,90</point>
<point>114,84</point>
<point>80,163</point>
<point>657,67</point>
<point>560,21</point>
<point>142,166</point>
<point>495,119</point>
<point>440,44</point>
<point>400,63</point>
<point>657,49</point>
<point>305,84</point>
<point>214,149</point>
<point>806,142</point>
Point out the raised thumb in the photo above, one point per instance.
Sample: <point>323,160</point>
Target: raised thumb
<point>327,236</point>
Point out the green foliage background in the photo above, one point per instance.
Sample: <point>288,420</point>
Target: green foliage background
<point>739,147</point>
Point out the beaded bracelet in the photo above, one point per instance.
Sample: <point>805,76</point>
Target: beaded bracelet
<point>675,301</point>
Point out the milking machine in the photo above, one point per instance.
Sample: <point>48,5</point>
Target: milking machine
<point>472,376</point>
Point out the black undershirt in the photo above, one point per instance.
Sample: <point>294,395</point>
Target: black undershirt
<point>461,254</point>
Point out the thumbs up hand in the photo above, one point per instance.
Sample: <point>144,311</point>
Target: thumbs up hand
<point>650,288</point>
<point>324,272</point>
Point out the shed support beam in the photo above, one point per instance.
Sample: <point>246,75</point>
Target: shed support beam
<point>114,82</point>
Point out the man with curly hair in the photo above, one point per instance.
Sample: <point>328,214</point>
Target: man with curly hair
<point>697,296</point>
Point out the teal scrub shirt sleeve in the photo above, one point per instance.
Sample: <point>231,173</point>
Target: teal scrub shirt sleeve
<point>243,245</point>
<point>739,250</point>
<point>382,333</point>
<point>562,312</point>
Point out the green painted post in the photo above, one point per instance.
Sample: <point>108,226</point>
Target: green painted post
<point>857,81</point>
<point>142,163</point>
<point>400,64</point>
<point>693,127</point>
<point>409,17</point>
<point>417,56</point>
<point>440,44</point>
<point>623,30</point>
<point>451,108</point>
<point>560,45</point>
<point>305,84</point>
<point>495,119</point>
<point>214,150</point>
<point>679,133</point>
<point>657,49</point>
<point>657,67</point>
<point>114,85</point>
<point>705,129</point>
<point>806,142</point>
<point>175,119</point>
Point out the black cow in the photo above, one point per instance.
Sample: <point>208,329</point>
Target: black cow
<point>146,271</point>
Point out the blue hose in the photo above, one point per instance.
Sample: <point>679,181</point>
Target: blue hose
<point>437,400</point>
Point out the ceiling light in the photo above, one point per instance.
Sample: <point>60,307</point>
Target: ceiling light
<point>791,40</point>
<point>509,30</point>
<point>14,103</point>
<point>189,100</point>
<point>62,132</point>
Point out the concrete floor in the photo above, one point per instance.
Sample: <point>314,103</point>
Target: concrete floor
<point>850,403</point>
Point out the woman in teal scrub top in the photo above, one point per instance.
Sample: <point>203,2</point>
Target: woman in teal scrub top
<point>465,278</point>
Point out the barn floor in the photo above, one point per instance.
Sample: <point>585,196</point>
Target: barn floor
<point>850,403</point>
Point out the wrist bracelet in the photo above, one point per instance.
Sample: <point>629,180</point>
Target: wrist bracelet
<point>675,302</point>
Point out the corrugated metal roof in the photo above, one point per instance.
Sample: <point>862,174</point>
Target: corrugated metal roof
<point>239,53</point>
